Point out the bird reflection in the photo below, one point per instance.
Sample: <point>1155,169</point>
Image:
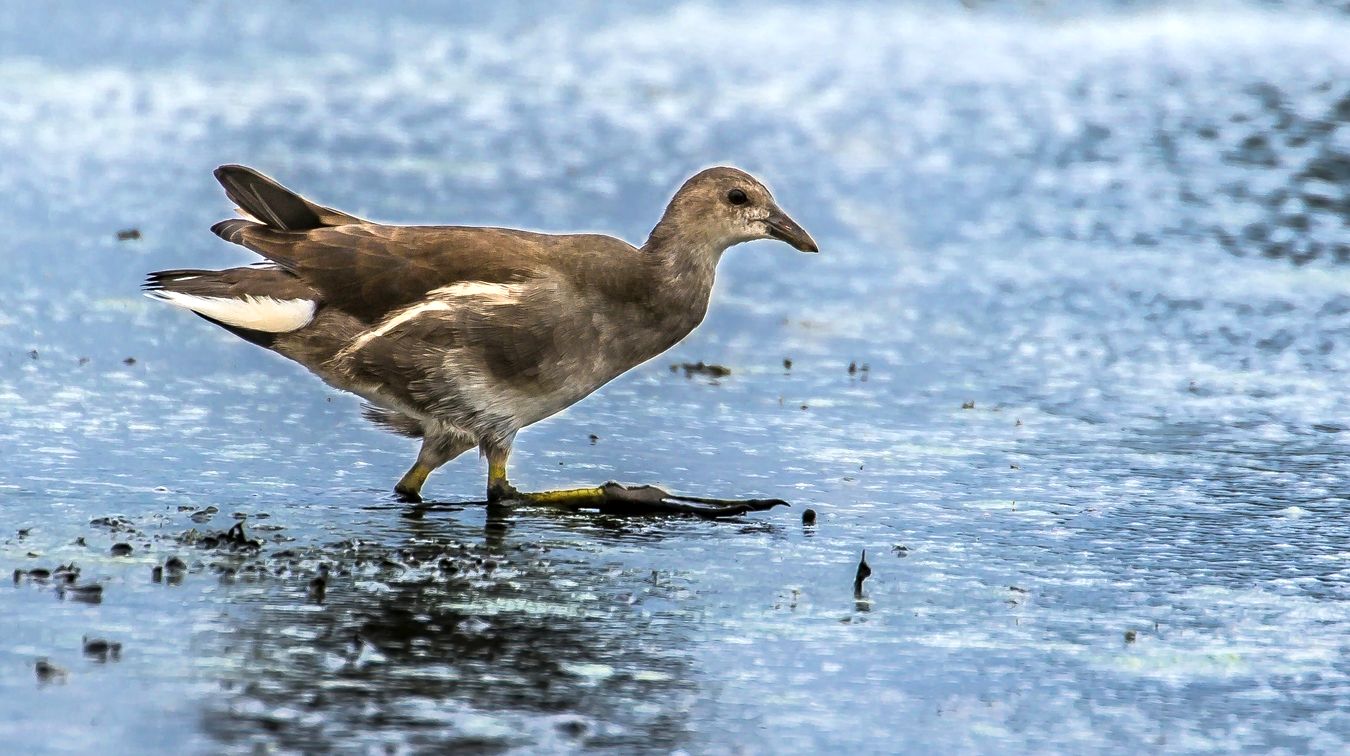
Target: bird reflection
<point>454,638</point>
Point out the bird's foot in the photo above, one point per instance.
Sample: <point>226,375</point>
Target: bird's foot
<point>500,490</point>
<point>618,499</point>
<point>407,495</point>
<point>409,487</point>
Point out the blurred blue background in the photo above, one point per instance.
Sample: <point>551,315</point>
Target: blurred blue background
<point>1095,258</point>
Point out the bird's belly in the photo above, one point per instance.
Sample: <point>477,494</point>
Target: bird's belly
<point>505,404</point>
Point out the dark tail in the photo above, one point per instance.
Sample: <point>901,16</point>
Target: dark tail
<point>273,204</point>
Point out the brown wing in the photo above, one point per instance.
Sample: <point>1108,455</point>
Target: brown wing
<point>370,269</point>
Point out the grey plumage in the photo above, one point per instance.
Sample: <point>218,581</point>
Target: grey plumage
<point>464,335</point>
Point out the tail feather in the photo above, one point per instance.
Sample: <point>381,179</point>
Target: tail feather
<point>274,205</point>
<point>255,303</point>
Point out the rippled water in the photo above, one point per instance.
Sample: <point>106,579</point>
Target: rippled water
<point>1090,267</point>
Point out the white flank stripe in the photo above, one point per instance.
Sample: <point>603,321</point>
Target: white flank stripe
<point>392,323</point>
<point>254,313</point>
<point>492,293</point>
<point>444,299</point>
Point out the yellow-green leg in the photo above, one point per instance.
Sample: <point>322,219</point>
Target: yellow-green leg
<point>499,489</point>
<point>435,451</point>
<point>409,487</point>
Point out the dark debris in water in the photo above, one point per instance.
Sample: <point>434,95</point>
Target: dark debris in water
<point>47,672</point>
<point>129,234</point>
<point>701,368</point>
<point>88,593</point>
<point>101,649</point>
<point>864,572</point>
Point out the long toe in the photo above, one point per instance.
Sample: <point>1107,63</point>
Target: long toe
<point>407,495</point>
<point>653,500</point>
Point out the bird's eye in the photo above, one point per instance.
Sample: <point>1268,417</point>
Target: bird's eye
<point>737,197</point>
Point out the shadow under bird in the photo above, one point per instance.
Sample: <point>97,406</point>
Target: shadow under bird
<point>461,336</point>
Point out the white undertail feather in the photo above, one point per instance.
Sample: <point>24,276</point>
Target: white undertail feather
<point>266,314</point>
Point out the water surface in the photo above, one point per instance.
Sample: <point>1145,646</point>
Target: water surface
<point>1090,270</point>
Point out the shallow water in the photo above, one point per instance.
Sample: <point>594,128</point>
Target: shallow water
<point>1092,267</point>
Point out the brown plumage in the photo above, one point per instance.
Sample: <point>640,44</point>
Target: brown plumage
<point>463,335</point>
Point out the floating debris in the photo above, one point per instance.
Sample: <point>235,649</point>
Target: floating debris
<point>48,672</point>
<point>204,515</point>
<point>1131,636</point>
<point>852,368</point>
<point>115,522</point>
<point>809,517</point>
<point>787,363</point>
<point>572,728</point>
<point>101,649</point>
<point>864,572</point>
<point>968,405</point>
<point>66,573</point>
<point>900,550</point>
<point>594,438</point>
<point>129,361</point>
<point>32,354</point>
<point>318,587</point>
<point>233,538</point>
<point>129,234</point>
<point>89,593</point>
<point>702,368</point>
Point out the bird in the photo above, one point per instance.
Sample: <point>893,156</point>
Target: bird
<point>463,335</point>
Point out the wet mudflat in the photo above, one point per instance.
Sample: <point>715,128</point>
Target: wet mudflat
<point>1092,275</point>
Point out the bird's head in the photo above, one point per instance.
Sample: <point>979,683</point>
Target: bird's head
<point>720,207</point>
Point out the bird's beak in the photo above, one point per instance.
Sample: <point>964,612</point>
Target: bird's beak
<point>785,229</point>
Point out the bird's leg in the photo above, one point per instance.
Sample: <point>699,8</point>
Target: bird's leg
<point>435,451</point>
<point>498,487</point>
<point>409,487</point>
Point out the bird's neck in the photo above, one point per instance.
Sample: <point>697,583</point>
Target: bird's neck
<point>685,267</point>
<point>686,261</point>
